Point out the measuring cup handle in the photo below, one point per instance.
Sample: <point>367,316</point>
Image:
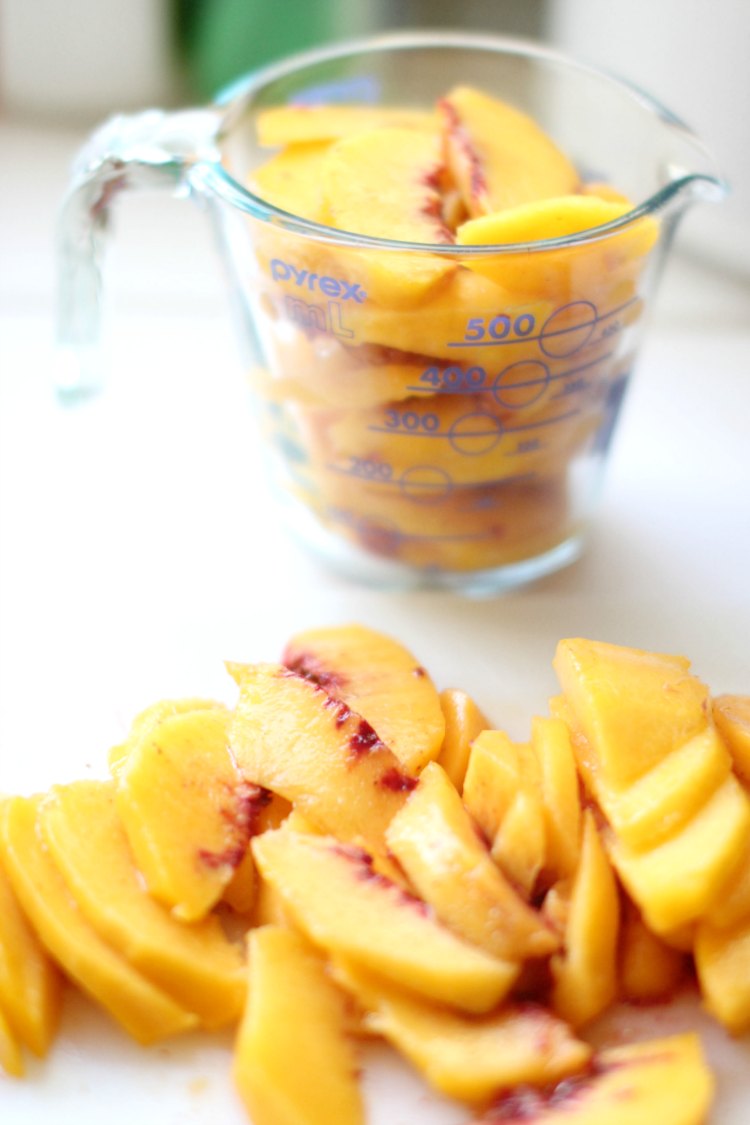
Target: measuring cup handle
<point>152,149</point>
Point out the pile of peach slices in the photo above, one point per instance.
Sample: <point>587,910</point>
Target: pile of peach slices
<point>350,853</point>
<point>425,392</point>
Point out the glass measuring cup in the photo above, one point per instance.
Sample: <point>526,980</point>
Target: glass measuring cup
<point>435,415</point>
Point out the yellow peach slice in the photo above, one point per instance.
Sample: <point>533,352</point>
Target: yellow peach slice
<point>679,880</point>
<point>142,1009</point>
<point>633,707</point>
<point>668,795</point>
<point>467,1057</point>
<point>384,183</point>
<point>731,714</point>
<point>196,965</point>
<point>649,969</point>
<point>520,845</point>
<point>722,961</point>
<point>577,272</point>
<point>293,1062</point>
<point>336,898</point>
<point>186,810</point>
<point>656,1080</point>
<point>437,845</point>
<point>499,156</point>
<point>585,973</point>
<point>11,1057</point>
<point>380,680</point>
<point>290,736</point>
<point>150,718</point>
<point>30,983</point>
<point>463,723</point>
<point>291,181</point>
<point>301,124</point>
<point>561,801</point>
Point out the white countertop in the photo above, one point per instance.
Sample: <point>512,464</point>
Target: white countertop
<point>138,547</point>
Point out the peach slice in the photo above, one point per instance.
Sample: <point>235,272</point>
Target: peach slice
<point>11,1058</point>
<point>722,961</point>
<point>301,124</point>
<point>146,1012</point>
<point>633,707</point>
<point>293,1062</point>
<point>649,969</point>
<point>498,155</point>
<point>656,1080</point>
<point>380,680</point>
<point>30,983</point>
<point>384,183</point>
<point>463,723</point>
<point>467,1057</point>
<point>196,965</point>
<point>436,843</point>
<point>560,790</point>
<point>344,906</point>
<point>291,180</point>
<point>150,718</point>
<point>186,810</point>
<point>731,714</point>
<point>679,881</point>
<point>585,973</point>
<point>578,272</point>
<point>290,736</point>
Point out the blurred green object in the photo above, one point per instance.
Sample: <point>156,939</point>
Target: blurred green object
<point>220,40</point>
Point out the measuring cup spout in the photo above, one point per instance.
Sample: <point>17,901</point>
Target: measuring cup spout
<point>153,149</point>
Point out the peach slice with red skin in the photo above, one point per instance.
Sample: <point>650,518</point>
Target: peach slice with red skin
<point>380,680</point>
<point>290,736</point>
<point>653,1081</point>
<point>385,183</point>
<point>498,155</point>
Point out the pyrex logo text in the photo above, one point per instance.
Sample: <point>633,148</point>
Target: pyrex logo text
<point>328,286</point>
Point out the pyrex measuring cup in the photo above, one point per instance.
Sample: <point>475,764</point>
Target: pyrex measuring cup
<point>431,414</point>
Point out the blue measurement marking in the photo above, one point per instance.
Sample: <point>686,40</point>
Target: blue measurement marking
<point>483,389</point>
<point>435,486</point>
<point>542,335</point>
<point>460,435</point>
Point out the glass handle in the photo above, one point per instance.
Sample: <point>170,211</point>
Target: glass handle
<point>152,149</point>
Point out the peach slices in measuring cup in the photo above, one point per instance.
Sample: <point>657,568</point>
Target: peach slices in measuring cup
<point>451,409</point>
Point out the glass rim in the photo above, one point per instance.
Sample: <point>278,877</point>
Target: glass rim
<point>233,99</point>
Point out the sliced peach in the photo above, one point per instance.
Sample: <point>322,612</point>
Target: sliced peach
<point>679,881</point>
<point>551,744</point>
<point>667,796</point>
<point>384,183</point>
<point>436,843</point>
<point>585,973</point>
<point>186,810</point>
<point>290,736</point>
<point>196,965</point>
<point>463,723</point>
<point>293,1062</point>
<point>336,898</point>
<point>493,777</point>
<point>301,124</point>
<point>150,718</point>
<point>722,961</point>
<point>584,272</point>
<point>520,845</point>
<point>498,155</point>
<point>649,969</point>
<point>30,983</point>
<point>633,707</point>
<point>146,1012</point>
<point>731,713</point>
<point>656,1080</point>
<point>380,680</point>
<point>11,1057</point>
<point>467,1057</point>
<point>291,181</point>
